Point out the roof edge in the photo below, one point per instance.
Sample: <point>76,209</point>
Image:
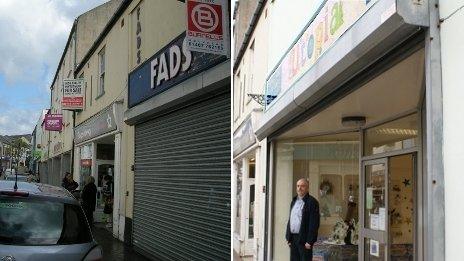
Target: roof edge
<point>122,7</point>
<point>251,28</point>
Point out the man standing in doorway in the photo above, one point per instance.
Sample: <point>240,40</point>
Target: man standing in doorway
<point>303,223</point>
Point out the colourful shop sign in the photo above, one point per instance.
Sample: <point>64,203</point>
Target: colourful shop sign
<point>332,20</point>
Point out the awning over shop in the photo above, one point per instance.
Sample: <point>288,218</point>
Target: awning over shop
<point>383,26</point>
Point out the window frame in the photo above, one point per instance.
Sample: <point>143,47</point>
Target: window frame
<point>101,72</point>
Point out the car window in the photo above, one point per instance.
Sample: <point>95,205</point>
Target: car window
<point>34,222</point>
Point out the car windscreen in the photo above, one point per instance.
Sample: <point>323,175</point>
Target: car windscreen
<point>38,222</point>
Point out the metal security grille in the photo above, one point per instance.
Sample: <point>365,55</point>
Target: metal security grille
<point>182,183</point>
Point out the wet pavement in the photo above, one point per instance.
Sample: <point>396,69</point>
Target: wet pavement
<point>114,249</point>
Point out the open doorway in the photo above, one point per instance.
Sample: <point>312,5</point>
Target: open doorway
<point>105,154</point>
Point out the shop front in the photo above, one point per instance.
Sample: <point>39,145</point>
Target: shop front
<point>246,154</point>
<point>97,144</point>
<point>352,121</point>
<point>182,154</point>
<point>60,164</point>
<point>55,175</point>
<point>43,172</point>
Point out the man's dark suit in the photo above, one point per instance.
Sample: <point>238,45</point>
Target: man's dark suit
<point>308,230</point>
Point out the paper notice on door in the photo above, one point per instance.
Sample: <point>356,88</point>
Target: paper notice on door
<point>381,218</point>
<point>374,221</point>
<point>369,197</point>
<point>374,249</point>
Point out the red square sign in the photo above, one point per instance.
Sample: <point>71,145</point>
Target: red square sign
<point>208,26</point>
<point>204,18</point>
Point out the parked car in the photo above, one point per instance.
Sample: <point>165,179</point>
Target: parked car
<point>43,222</point>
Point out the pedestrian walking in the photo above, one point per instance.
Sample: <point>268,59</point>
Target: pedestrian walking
<point>108,199</point>
<point>69,183</point>
<point>89,198</point>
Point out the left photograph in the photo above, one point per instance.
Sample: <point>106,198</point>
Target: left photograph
<point>115,130</point>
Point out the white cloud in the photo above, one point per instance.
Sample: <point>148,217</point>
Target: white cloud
<point>18,121</point>
<point>33,35</point>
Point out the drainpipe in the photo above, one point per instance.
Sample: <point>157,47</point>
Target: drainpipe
<point>73,145</point>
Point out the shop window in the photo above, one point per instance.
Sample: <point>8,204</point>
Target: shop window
<point>331,165</point>
<point>243,93</point>
<point>86,153</point>
<point>81,76</point>
<point>251,212</point>
<point>251,51</point>
<point>252,169</point>
<point>91,90</point>
<point>105,151</point>
<point>402,204</point>
<point>101,72</point>
<point>237,94</point>
<point>374,250</point>
<point>238,206</point>
<point>251,197</point>
<point>395,135</point>
<point>375,197</point>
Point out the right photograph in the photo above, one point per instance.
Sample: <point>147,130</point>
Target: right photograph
<point>339,145</point>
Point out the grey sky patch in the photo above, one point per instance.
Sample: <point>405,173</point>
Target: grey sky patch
<point>33,35</point>
<point>18,121</point>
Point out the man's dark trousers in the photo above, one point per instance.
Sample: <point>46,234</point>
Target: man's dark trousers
<point>298,252</point>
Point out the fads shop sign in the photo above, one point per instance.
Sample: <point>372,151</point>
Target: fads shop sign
<point>170,66</point>
<point>329,24</point>
<point>207,26</point>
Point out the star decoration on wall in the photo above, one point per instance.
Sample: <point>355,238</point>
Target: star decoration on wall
<point>408,221</point>
<point>406,182</point>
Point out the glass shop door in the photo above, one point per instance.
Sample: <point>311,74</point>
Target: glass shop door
<point>387,226</point>
<point>373,226</point>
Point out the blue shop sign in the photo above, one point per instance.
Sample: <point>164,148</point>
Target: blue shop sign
<point>170,66</point>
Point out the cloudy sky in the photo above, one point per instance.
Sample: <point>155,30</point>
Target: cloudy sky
<point>33,35</point>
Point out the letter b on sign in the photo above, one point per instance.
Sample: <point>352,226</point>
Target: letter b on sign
<point>204,18</point>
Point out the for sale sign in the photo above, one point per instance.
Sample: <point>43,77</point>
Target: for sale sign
<point>207,26</point>
<point>53,122</point>
<point>73,94</point>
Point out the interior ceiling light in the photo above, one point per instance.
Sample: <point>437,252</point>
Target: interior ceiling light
<point>353,121</point>
<point>393,131</point>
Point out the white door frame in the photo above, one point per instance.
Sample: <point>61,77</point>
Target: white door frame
<point>118,231</point>
<point>248,243</point>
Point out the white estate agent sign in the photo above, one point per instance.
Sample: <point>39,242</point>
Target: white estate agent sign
<point>73,94</point>
<point>207,26</point>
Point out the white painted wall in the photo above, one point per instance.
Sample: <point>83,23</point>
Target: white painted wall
<point>286,23</point>
<point>283,197</point>
<point>452,42</point>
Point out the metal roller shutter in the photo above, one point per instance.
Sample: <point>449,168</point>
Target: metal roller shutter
<point>182,183</point>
